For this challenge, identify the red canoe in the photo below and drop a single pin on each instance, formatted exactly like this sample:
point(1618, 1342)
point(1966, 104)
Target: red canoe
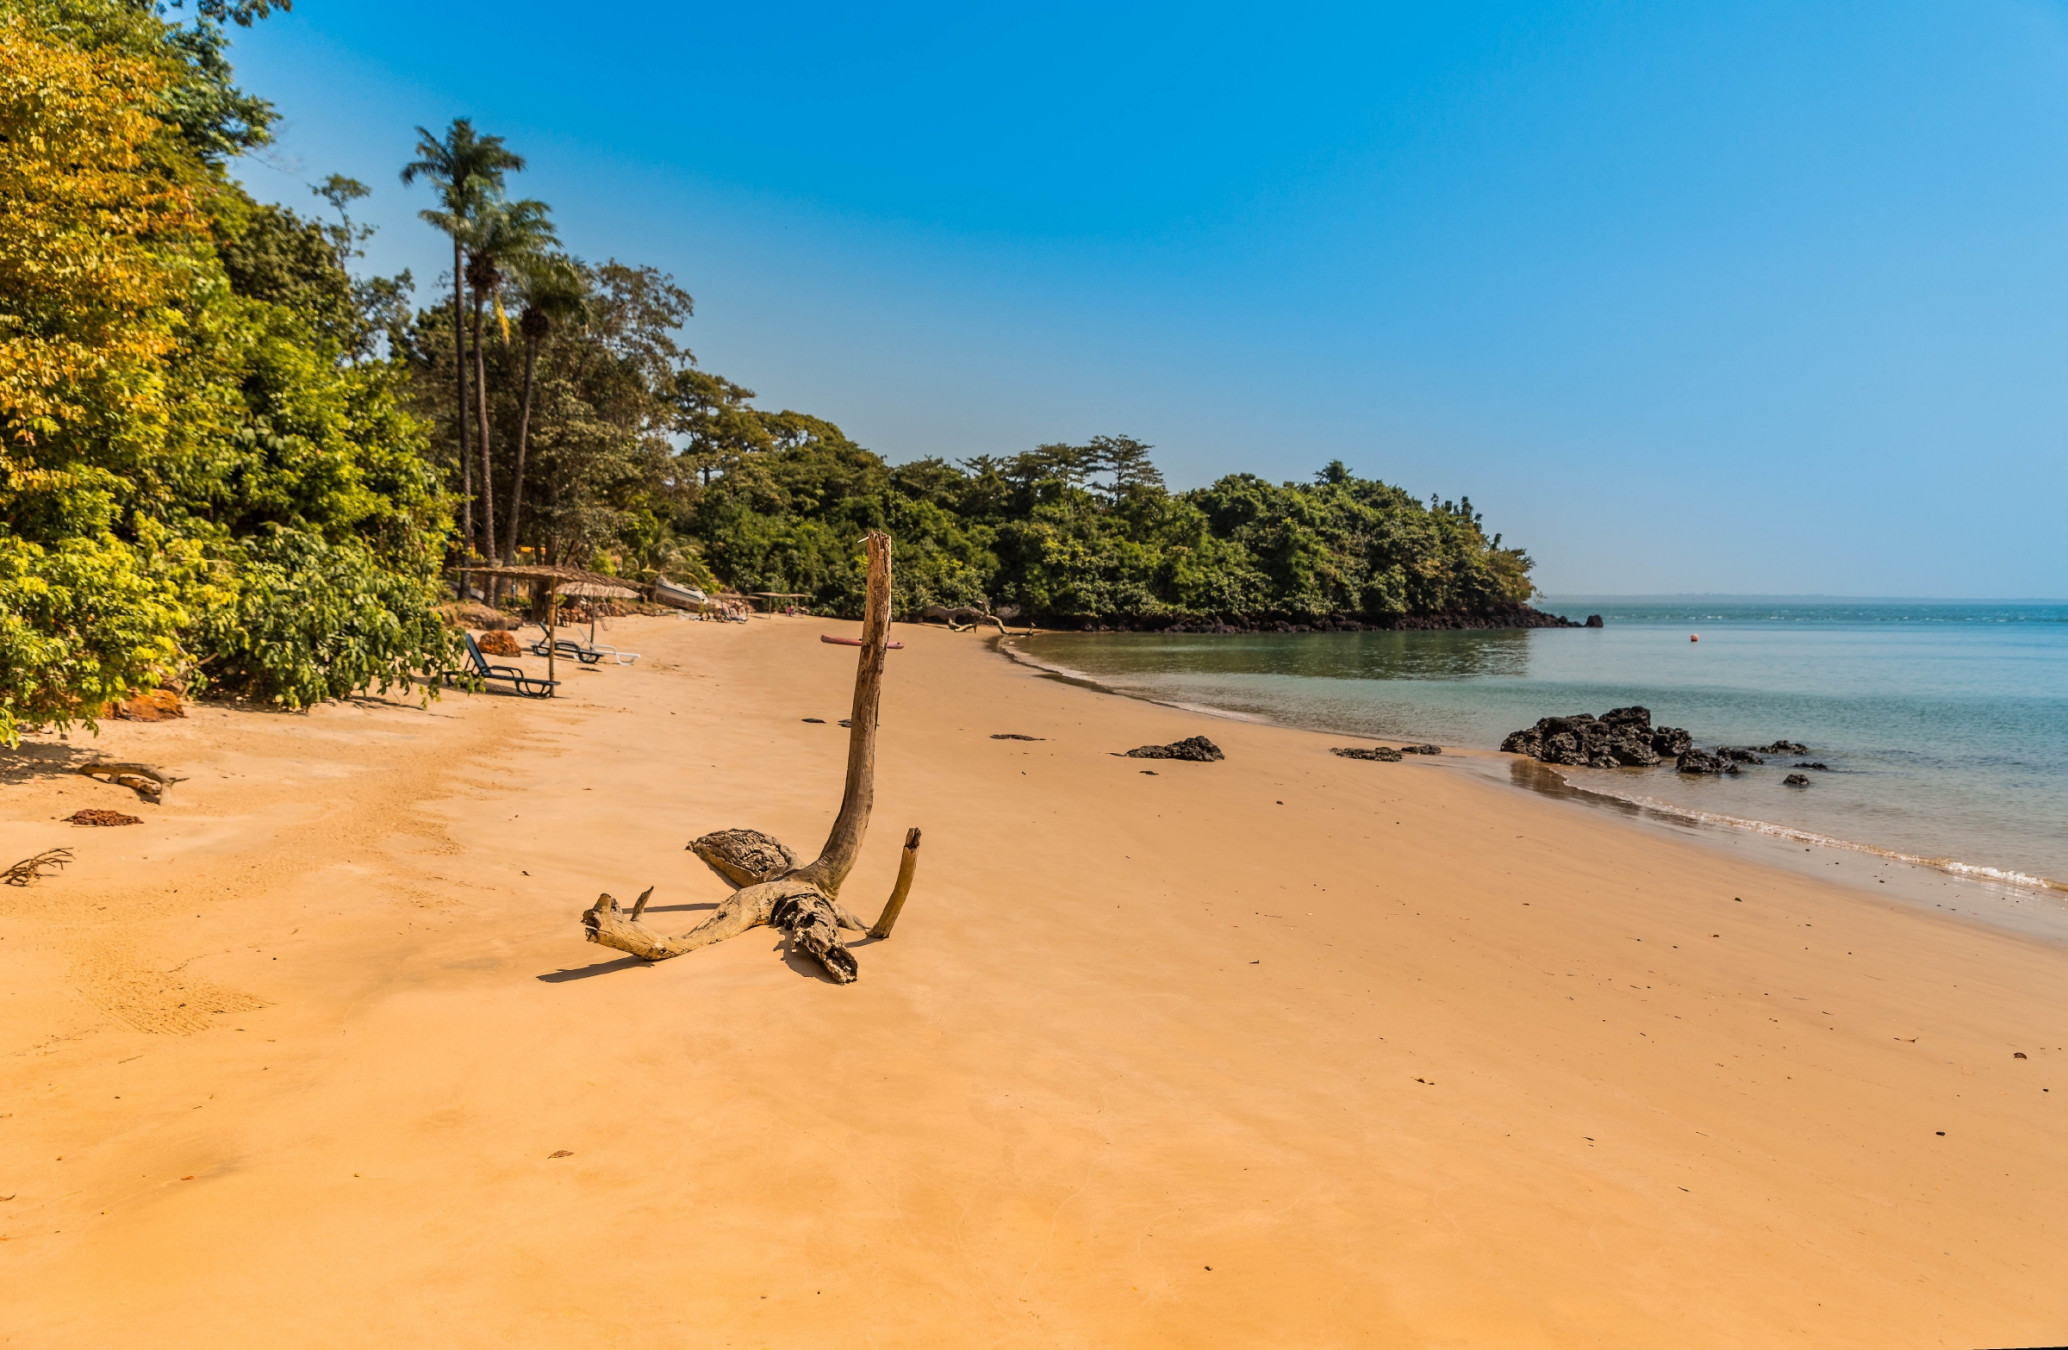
point(856, 642)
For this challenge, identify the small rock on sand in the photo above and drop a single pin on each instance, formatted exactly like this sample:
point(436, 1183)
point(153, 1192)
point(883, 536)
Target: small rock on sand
point(1197, 748)
point(1384, 753)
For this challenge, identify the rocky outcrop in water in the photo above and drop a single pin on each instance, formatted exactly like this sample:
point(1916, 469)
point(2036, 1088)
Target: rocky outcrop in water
point(1701, 761)
point(1622, 736)
point(1796, 780)
point(1626, 738)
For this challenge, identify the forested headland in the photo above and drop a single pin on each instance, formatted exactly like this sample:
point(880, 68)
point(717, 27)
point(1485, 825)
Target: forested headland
point(231, 460)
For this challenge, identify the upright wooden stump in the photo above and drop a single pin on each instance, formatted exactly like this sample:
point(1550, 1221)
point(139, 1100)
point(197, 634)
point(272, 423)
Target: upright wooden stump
point(801, 901)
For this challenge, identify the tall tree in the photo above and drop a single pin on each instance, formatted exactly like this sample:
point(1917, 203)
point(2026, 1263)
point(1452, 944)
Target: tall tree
point(554, 292)
point(501, 234)
point(719, 421)
point(467, 169)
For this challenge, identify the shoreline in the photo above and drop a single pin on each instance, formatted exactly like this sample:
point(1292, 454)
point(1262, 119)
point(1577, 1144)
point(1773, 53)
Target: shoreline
point(1282, 1050)
point(1521, 617)
point(2002, 892)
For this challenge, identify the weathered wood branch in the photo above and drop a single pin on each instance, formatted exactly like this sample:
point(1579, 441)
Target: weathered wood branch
point(844, 843)
point(908, 867)
point(800, 901)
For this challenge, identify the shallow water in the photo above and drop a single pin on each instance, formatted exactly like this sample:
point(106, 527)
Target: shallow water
point(1945, 725)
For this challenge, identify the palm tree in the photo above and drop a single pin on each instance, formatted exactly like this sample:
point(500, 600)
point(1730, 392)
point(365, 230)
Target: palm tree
point(501, 233)
point(554, 291)
point(467, 169)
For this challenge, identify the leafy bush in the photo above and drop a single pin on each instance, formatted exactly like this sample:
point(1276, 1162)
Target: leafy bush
point(316, 620)
point(80, 624)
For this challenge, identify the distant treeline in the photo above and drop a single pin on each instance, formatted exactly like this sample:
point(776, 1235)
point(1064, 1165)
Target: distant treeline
point(1089, 535)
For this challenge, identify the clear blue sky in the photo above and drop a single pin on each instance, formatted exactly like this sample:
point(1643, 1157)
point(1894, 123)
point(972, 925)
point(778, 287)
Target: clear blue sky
point(1725, 297)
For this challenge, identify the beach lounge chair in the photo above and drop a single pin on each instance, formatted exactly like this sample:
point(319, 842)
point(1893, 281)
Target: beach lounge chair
point(587, 655)
point(567, 648)
point(531, 686)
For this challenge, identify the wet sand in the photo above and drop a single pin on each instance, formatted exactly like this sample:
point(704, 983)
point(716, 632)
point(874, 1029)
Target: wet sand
point(1288, 1050)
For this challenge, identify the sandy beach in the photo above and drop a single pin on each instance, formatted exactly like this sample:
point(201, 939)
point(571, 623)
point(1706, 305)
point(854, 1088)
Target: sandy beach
point(1288, 1050)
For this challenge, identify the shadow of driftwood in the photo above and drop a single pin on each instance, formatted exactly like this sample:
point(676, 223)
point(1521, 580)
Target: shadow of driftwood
point(588, 972)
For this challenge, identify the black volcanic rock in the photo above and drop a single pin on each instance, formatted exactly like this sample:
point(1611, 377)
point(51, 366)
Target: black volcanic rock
point(1623, 737)
point(1671, 741)
point(1785, 748)
point(1738, 754)
point(1701, 761)
point(1192, 747)
point(1421, 749)
point(1796, 780)
point(1633, 747)
point(1383, 753)
point(1811, 764)
point(1593, 621)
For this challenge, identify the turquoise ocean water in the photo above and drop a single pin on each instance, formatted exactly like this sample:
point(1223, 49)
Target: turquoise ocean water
point(1945, 725)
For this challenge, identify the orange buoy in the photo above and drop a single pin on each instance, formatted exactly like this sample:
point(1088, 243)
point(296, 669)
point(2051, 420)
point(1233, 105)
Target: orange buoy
point(1694, 637)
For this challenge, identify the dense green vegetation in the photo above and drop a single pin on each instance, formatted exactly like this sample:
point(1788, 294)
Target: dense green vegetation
point(1088, 533)
point(204, 474)
point(227, 460)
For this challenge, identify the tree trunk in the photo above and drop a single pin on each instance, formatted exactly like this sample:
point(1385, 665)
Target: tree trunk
point(459, 361)
point(801, 901)
point(531, 356)
point(481, 430)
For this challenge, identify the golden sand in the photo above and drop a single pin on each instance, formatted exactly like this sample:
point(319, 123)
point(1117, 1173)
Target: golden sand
point(1289, 1050)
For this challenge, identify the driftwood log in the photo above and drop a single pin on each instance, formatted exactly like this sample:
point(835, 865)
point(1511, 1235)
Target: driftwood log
point(147, 782)
point(802, 901)
point(980, 621)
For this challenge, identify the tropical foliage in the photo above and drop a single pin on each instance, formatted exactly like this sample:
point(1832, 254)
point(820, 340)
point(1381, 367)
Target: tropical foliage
point(189, 408)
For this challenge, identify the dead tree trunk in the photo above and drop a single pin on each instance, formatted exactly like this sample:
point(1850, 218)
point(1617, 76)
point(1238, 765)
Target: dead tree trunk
point(801, 901)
